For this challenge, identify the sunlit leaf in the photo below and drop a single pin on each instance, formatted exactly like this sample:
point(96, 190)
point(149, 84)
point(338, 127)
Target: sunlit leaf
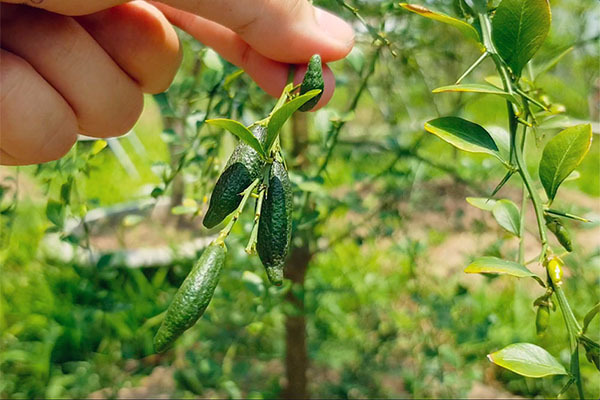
point(508, 216)
point(282, 114)
point(462, 26)
point(240, 131)
point(483, 203)
point(562, 155)
point(465, 135)
point(477, 88)
point(528, 360)
point(519, 28)
point(495, 265)
point(590, 316)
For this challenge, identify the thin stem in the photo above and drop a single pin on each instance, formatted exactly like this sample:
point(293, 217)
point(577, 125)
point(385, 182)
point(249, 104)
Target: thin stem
point(522, 225)
point(246, 195)
point(472, 67)
point(251, 247)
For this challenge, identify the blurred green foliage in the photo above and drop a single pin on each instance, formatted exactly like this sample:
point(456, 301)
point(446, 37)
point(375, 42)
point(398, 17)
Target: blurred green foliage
point(384, 318)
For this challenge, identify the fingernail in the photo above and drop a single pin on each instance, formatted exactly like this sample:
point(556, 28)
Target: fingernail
point(336, 28)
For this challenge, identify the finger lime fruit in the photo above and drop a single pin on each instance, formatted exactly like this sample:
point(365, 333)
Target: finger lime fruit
point(192, 297)
point(542, 319)
point(243, 167)
point(313, 79)
point(275, 225)
point(560, 232)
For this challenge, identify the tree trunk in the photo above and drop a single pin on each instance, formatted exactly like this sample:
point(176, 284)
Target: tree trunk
point(296, 357)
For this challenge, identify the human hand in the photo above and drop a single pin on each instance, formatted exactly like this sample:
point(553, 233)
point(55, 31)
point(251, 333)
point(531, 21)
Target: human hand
point(72, 67)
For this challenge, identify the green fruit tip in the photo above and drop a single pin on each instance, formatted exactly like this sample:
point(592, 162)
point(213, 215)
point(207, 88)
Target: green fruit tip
point(275, 276)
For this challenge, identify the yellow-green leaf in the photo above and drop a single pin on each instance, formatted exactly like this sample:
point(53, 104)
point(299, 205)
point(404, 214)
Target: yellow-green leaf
point(477, 88)
point(465, 135)
point(462, 26)
point(528, 360)
point(507, 215)
point(495, 265)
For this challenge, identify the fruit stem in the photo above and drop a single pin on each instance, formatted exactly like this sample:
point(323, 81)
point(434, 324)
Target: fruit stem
point(251, 247)
point(220, 240)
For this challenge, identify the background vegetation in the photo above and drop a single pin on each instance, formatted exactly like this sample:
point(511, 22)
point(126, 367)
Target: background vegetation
point(94, 246)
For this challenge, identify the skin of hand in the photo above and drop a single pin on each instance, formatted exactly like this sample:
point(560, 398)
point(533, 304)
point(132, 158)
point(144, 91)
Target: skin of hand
point(72, 66)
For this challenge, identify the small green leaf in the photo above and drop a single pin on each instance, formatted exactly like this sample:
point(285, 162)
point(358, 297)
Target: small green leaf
point(240, 131)
point(55, 212)
point(508, 216)
point(519, 28)
point(495, 265)
point(465, 135)
point(562, 155)
point(462, 26)
point(482, 203)
point(590, 316)
point(283, 113)
point(477, 88)
point(528, 360)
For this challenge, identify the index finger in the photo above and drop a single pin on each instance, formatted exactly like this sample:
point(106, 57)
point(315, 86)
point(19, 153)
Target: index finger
point(289, 31)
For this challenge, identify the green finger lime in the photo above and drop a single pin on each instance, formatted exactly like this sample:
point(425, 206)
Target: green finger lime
point(192, 297)
point(243, 167)
point(275, 225)
point(313, 79)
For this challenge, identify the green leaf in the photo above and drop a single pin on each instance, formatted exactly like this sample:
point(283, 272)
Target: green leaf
point(519, 28)
point(240, 131)
point(482, 203)
point(55, 212)
point(477, 88)
point(508, 216)
point(463, 134)
point(562, 155)
point(495, 265)
point(528, 360)
point(462, 26)
point(590, 316)
point(283, 113)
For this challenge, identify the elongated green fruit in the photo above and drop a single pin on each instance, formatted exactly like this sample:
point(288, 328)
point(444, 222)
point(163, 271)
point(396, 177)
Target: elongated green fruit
point(560, 232)
point(243, 167)
point(542, 319)
point(313, 79)
point(192, 298)
point(275, 225)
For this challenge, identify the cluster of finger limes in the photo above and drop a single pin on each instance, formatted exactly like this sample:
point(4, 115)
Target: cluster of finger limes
point(245, 171)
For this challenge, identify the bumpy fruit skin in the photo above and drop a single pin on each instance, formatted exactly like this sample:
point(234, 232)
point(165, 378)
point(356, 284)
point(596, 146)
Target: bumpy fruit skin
point(560, 232)
point(313, 79)
point(192, 297)
point(542, 319)
point(275, 225)
point(243, 167)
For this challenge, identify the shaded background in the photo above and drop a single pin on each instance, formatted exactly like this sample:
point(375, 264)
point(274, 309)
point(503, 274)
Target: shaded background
point(380, 240)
